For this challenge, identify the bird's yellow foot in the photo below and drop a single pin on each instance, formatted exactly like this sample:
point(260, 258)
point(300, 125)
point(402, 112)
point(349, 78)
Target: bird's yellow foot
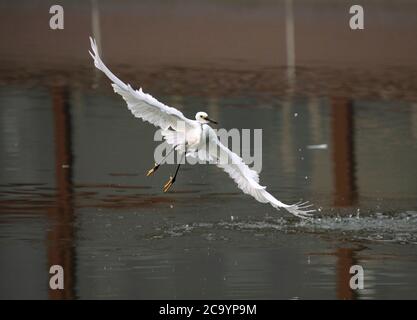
point(151, 172)
point(168, 185)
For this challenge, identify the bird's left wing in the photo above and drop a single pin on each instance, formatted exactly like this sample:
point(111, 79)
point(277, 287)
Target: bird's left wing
point(143, 105)
point(248, 179)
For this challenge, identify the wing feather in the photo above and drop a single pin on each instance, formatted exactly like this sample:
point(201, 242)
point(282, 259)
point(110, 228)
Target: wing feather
point(248, 180)
point(142, 105)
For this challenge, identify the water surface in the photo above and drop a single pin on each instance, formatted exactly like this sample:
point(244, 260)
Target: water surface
point(73, 189)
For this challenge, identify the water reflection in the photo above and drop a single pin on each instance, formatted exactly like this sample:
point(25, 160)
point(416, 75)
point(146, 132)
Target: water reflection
point(345, 260)
point(345, 193)
point(290, 42)
point(60, 242)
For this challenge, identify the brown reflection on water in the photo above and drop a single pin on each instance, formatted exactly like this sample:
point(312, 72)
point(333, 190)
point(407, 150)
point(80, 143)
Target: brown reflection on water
point(345, 191)
point(345, 260)
point(61, 236)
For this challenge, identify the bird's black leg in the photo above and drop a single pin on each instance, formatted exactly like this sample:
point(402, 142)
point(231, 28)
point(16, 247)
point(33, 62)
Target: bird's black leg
point(156, 166)
point(171, 180)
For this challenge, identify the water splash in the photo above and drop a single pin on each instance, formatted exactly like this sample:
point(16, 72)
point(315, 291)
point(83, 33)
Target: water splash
point(398, 228)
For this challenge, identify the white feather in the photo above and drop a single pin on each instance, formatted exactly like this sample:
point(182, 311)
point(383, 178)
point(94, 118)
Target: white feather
point(248, 180)
point(142, 105)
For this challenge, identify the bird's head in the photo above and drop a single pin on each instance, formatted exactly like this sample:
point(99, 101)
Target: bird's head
point(203, 117)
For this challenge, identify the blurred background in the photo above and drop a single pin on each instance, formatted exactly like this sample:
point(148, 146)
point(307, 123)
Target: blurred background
point(73, 159)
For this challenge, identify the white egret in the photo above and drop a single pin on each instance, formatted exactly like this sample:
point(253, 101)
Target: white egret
point(189, 137)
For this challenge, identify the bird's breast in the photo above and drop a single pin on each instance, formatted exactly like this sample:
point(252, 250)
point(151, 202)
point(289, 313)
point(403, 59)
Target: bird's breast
point(193, 137)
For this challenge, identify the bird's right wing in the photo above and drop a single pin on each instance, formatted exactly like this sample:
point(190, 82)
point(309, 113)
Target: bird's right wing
point(143, 105)
point(248, 179)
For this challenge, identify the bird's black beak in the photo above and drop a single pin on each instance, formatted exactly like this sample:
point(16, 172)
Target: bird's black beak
point(211, 120)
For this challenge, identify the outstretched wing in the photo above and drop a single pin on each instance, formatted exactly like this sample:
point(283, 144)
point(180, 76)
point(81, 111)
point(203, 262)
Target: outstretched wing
point(142, 105)
point(248, 179)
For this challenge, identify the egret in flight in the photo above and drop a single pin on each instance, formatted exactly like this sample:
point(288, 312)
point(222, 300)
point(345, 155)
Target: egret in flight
point(189, 138)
